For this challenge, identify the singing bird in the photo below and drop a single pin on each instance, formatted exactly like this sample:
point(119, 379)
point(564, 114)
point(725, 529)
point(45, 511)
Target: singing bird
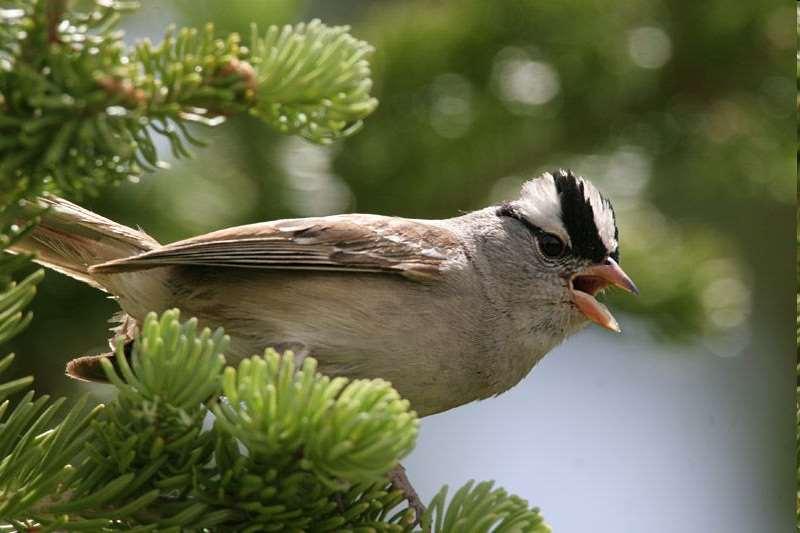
point(449, 311)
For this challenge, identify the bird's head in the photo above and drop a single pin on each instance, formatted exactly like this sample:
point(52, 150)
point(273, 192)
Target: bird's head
point(569, 235)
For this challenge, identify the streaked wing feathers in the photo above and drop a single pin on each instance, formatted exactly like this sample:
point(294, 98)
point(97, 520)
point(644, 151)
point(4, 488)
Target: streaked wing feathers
point(363, 243)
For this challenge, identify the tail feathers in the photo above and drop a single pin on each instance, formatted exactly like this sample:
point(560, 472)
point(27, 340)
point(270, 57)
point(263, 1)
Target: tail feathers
point(70, 239)
point(90, 367)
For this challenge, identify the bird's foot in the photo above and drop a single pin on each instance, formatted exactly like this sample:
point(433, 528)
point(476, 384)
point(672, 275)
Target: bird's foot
point(400, 482)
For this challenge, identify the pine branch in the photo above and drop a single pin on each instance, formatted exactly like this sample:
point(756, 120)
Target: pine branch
point(289, 449)
point(355, 431)
point(79, 109)
point(479, 508)
point(312, 80)
point(35, 458)
point(15, 297)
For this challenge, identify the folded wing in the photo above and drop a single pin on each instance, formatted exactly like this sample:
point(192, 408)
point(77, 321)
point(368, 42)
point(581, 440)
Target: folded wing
point(350, 243)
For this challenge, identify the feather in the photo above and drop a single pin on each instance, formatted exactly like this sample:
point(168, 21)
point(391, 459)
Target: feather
point(345, 243)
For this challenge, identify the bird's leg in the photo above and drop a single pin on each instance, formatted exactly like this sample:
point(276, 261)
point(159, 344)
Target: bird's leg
point(400, 482)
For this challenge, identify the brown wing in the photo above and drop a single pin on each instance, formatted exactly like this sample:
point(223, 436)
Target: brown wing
point(361, 243)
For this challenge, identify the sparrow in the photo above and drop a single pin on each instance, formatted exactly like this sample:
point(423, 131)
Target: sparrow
point(449, 311)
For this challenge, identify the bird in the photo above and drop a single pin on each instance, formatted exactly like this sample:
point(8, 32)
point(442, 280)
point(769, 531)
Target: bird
point(449, 311)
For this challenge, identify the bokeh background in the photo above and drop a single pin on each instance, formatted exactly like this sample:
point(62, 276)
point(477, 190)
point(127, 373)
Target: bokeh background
point(680, 111)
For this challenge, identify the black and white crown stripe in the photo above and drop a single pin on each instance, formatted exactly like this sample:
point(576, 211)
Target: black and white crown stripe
point(570, 207)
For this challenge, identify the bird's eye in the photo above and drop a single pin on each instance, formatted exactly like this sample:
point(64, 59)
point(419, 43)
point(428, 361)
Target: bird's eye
point(551, 246)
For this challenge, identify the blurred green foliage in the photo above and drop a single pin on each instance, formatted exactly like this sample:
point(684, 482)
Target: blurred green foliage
point(797, 309)
point(677, 110)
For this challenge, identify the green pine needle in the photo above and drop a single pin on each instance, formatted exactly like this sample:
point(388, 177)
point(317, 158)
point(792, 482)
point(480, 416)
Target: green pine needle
point(79, 108)
point(312, 80)
point(482, 509)
point(352, 432)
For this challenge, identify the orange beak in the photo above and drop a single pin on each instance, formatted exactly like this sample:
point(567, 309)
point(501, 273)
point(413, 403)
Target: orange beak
point(587, 283)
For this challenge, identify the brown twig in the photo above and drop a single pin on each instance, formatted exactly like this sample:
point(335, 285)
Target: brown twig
point(122, 89)
point(55, 12)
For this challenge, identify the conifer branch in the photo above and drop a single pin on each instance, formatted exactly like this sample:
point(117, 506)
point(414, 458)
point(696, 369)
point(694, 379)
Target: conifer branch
point(289, 449)
point(80, 109)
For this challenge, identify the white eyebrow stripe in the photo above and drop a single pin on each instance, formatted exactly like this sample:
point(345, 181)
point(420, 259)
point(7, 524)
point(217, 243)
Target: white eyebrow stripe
point(541, 205)
point(603, 216)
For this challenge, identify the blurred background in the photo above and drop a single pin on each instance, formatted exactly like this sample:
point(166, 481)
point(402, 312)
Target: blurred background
point(681, 112)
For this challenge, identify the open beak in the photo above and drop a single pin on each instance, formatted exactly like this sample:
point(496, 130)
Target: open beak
point(587, 283)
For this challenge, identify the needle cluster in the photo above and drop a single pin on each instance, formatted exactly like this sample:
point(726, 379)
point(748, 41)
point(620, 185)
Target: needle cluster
point(189, 443)
point(77, 102)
